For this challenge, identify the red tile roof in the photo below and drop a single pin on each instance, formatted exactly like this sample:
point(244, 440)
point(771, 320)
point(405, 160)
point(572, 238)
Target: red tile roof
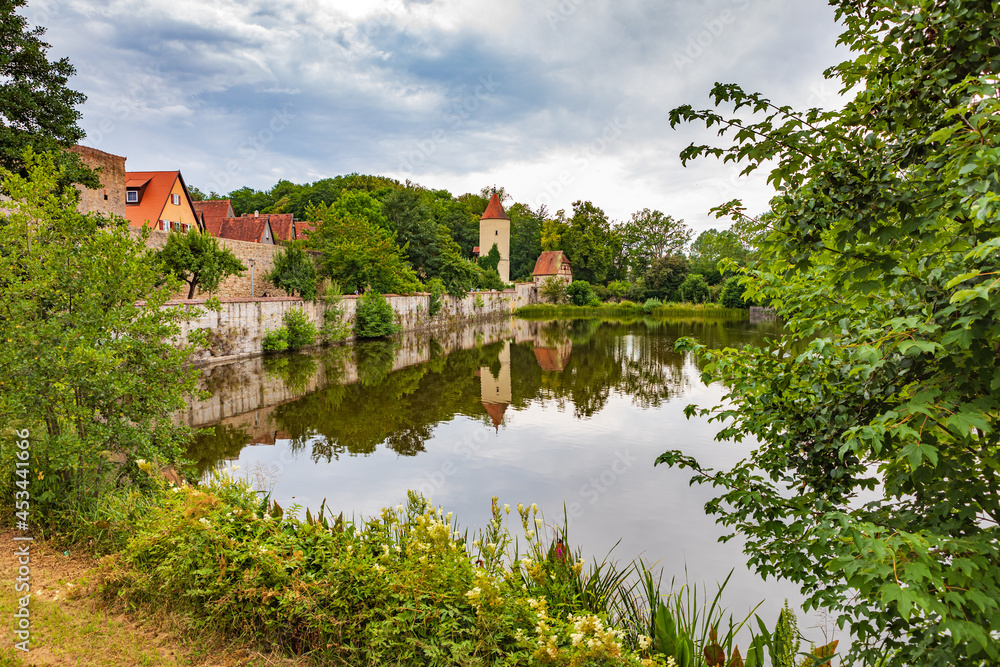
point(549, 263)
point(494, 211)
point(495, 411)
point(214, 212)
point(153, 198)
point(302, 228)
point(244, 229)
point(281, 226)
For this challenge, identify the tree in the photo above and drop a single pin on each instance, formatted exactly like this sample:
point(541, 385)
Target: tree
point(694, 289)
point(874, 484)
point(199, 260)
point(664, 277)
point(579, 293)
point(553, 289)
point(37, 109)
point(586, 243)
point(525, 239)
point(651, 235)
point(491, 260)
point(374, 317)
point(359, 255)
point(713, 246)
point(294, 271)
point(95, 365)
point(198, 195)
point(732, 294)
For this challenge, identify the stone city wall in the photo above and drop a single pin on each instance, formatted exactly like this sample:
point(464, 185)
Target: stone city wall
point(237, 330)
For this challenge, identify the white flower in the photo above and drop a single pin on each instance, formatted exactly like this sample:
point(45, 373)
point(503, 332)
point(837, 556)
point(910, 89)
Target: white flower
point(538, 523)
point(506, 508)
point(644, 642)
point(204, 521)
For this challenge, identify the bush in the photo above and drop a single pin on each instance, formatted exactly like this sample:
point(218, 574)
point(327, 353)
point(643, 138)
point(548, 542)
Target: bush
point(553, 289)
point(732, 294)
point(618, 290)
point(301, 331)
point(276, 341)
point(335, 328)
point(651, 305)
point(579, 292)
point(491, 280)
point(694, 289)
point(294, 271)
point(435, 302)
point(374, 317)
point(595, 301)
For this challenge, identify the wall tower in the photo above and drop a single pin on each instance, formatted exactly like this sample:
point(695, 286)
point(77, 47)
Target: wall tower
point(494, 227)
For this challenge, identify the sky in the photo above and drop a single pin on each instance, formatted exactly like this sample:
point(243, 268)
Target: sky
point(555, 100)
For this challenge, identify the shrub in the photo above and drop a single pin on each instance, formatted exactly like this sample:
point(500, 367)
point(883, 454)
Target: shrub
point(618, 290)
point(374, 317)
point(491, 280)
point(276, 340)
point(553, 289)
point(651, 305)
point(595, 301)
point(301, 331)
point(694, 289)
point(335, 327)
point(732, 294)
point(435, 302)
point(294, 271)
point(579, 292)
point(479, 303)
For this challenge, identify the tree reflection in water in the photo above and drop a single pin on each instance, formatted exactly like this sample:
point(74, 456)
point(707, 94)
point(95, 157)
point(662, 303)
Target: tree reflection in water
point(578, 364)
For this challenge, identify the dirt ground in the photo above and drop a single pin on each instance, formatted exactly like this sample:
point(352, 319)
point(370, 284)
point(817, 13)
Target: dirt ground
point(69, 625)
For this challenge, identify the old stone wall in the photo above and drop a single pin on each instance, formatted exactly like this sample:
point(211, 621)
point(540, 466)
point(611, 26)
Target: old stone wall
point(238, 287)
point(237, 330)
point(109, 199)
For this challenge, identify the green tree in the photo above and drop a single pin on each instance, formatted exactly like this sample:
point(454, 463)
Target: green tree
point(294, 271)
point(732, 294)
point(586, 243)
point(713, 246)
point(553, 289)
point(491, 260)
point(94, 365)
point(650, 235)
point(198, 260)
point(374, 317)
point(358, 255)
point(579, 293)
point(694, 289)
point(37, 109)
point(525, 240)
point(664, 277)
point(874, 484)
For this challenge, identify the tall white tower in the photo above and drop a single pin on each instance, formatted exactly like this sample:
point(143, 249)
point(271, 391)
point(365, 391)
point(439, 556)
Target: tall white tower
point(494, 227)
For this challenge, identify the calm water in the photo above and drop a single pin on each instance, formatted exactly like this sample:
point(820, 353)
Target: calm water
point(564, 414)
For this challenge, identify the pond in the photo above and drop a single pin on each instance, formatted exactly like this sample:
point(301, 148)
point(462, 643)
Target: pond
point(566, 414)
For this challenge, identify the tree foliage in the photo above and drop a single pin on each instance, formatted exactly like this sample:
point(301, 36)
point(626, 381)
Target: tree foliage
point(374, 317)
point(712, 247)
point(587, 243)
point(664, 277)
point(197, 259)
point(650, 235)
point(90, 363)
point(37, 109)
point(875, 482)
point(553, 289)
point(358, 254)
point(294, 271)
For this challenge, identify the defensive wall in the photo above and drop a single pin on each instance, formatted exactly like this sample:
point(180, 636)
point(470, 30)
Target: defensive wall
point(237, 330)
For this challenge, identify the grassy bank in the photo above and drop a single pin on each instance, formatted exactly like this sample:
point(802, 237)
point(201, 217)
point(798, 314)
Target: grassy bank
point(627, 309)
point(405, 587)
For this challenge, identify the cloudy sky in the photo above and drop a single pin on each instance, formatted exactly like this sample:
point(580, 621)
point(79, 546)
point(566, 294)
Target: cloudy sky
point(557, 100)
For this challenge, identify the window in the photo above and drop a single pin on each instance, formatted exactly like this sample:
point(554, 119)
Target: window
point(132, 197)
point(175, 199)
point(164, 225)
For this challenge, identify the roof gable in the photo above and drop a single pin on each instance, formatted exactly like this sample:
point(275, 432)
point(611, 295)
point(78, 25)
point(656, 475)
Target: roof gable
point(213, 212)
point(549, 263)
point(249, 229)
point(154, 192)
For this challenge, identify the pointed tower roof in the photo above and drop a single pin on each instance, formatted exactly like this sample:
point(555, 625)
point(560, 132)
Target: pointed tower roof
point(495, 411)
point(494, 210)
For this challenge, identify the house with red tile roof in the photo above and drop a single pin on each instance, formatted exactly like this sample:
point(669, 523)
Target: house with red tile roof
point(160, 200)
point(303, 228)
point(253, 229)
point(552, 263)
point(213, 212)
point(282, 225)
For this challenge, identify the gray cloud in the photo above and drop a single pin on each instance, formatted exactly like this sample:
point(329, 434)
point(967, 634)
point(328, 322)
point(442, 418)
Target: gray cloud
point(435, 90)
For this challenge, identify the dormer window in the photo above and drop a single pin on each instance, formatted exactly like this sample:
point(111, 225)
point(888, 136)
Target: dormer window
point(132, 197)
point(175, 199)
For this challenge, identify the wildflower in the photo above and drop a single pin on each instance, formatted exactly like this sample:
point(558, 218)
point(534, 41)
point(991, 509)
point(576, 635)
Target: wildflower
point(204, 521)
point(530, 534)
point(506, 508)
point(644, 642)
point(538, 523)
point(520, 508)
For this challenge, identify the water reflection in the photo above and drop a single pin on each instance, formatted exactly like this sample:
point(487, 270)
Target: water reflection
point(352, 400)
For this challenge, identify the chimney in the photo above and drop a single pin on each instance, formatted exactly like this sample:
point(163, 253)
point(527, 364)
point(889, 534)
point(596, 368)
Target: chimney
point(256, 214)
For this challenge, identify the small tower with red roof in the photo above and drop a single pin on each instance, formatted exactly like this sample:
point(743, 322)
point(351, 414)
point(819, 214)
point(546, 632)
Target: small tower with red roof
point(494, 228)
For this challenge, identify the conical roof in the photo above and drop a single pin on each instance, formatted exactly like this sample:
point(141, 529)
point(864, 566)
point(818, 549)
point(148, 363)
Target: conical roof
point(494, 210)
point(495, 411)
